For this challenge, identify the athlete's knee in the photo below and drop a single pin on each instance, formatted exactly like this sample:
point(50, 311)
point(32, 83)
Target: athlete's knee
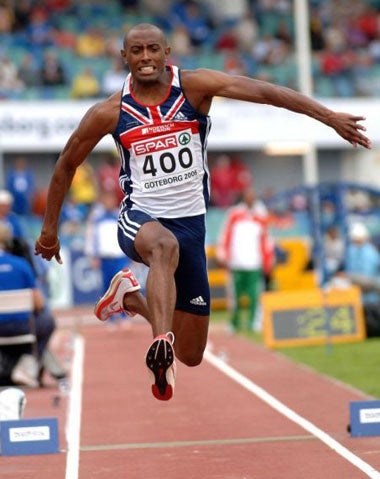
point(189, 358)
point(166, 248)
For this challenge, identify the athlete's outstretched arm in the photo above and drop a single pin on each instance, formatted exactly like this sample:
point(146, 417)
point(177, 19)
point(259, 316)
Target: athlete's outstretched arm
point(201, 85)
point(97, 122)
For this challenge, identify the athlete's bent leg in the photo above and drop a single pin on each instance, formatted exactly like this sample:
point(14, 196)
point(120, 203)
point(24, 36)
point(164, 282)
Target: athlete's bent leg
point(190, 331)
point(136, 302)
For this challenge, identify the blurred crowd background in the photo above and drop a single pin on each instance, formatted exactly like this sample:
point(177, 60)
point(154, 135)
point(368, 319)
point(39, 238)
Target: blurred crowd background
point(71, 49)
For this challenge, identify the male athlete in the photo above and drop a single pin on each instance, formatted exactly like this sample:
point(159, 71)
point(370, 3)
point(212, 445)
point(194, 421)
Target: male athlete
point(160, 124)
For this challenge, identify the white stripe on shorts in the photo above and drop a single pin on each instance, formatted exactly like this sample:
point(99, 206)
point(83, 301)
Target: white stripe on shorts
point(129, 228)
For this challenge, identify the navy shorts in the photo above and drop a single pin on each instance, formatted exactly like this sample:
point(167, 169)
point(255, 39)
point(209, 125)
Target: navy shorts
point(193, 290)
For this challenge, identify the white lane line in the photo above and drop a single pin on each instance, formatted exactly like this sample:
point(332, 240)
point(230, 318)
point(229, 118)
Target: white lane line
point(73, 421)
point(290, 414)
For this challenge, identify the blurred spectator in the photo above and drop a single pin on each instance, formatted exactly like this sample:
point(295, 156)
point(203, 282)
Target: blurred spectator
point(334, 250)
point(276, 6)
point(72, 217)
point(113, 44)
point(234, 64)
point(328, 214)
point(317, 38)
point(85, 85)
point(337, 64)
point(229, 177)
point(222, 194)
point(39, 201)
point(241, 176)
point(374, 48)
point(261, 32)
point(64, 38)
point(247, 251)
point(20, 182)
point(10, 84)
point(246, 32)
point(355, 37)
point(160, 12)
point(7, 216)
point(114, 78)
point(108, 176)
point(17, 273)
point(84, 187)
point(129, 5)
point(194, 17)
point(181, 42)
point(227, 40)
point(364, 83)
point(283, 33)
point(58, 5)
point(39, 30)
point(101, 243)
point(52, 72)
point(29, 72)
point(91, 43)
point(264, 48)
point(227, 12)
point(368, 22)
point(6, 17)
point(334, 35)
point(357, 201)
point(362, 263)
point(362, 268)
point(22, 11)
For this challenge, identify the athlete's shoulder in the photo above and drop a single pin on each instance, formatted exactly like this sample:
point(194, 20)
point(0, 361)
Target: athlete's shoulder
point(104, 114)
point(108, 106)
point(201, 85)
point(201, 77)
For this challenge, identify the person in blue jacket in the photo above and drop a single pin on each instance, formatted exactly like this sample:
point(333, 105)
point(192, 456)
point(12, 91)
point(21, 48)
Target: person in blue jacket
point(17, 273)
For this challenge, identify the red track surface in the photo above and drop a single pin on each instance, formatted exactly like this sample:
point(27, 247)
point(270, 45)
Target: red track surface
point(213, 428)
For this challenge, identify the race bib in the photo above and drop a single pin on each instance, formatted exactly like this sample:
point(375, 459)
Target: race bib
point(164, 161)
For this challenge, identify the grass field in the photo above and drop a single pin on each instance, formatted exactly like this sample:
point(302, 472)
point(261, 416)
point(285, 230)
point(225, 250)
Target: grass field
point(356, 364)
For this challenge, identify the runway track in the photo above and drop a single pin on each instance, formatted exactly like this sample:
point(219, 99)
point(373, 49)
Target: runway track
point(244, 413)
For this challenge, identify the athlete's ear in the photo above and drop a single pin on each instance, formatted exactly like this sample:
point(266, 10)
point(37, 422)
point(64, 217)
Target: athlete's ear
point(167, 52)
point(123, 54)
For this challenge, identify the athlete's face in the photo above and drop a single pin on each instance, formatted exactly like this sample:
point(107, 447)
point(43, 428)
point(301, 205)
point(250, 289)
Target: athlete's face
point(145, 52)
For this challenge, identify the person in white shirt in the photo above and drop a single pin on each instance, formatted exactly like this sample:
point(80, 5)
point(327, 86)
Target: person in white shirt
point(246, 250)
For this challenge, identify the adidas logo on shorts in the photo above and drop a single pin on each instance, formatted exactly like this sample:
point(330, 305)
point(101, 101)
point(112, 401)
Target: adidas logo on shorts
point(199, 301)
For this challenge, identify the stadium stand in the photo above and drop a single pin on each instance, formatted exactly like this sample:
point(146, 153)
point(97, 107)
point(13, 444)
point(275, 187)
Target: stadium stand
point(345, 40)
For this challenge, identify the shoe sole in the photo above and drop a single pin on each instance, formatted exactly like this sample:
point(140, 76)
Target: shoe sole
point(159, 359)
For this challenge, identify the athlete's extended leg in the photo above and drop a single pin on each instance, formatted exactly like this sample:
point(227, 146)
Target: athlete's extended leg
point(159, 249)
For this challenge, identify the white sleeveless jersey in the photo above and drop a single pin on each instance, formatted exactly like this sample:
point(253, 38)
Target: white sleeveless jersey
point(162, 147)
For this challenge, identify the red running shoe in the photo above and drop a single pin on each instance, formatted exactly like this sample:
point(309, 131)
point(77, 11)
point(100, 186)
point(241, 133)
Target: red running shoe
point(112, 301)
point(160, 361)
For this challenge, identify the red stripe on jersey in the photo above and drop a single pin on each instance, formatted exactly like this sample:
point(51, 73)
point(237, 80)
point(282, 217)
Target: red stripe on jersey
point(143, 133)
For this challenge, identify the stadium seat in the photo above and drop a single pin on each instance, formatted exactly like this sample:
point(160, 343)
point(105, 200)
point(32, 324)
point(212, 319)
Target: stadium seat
point(324, 87)
point(18, 301)
point(210, 60)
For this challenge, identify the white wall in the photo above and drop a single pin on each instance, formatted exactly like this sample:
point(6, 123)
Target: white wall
point(45, 126)
point(36, 127)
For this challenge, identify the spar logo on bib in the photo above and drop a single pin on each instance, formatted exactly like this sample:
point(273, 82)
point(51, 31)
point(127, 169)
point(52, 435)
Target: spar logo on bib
point(184, 138)
point(158, 144)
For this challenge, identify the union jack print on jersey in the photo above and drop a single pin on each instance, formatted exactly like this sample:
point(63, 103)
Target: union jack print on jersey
point(163, 153)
